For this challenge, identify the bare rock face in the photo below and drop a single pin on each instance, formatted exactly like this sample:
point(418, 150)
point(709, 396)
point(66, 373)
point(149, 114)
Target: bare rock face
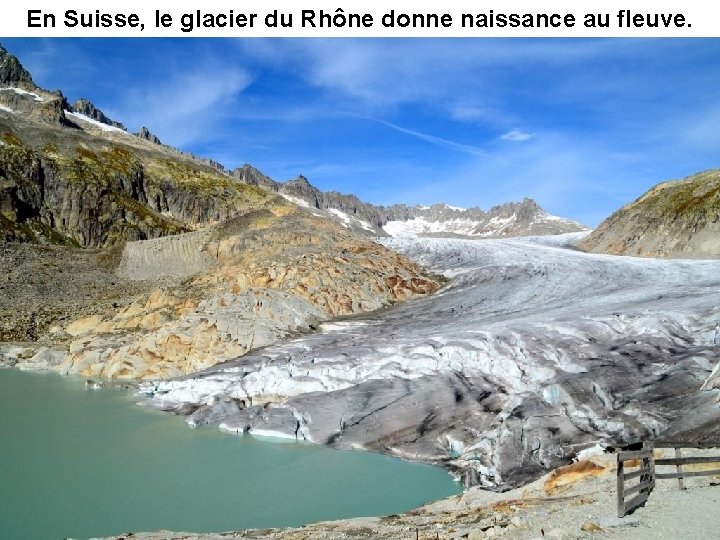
point(19, 94)
point(80, 179)
point(678, 219)
point(47, 107)
point(86, 108)
point(12, 73)
point(250, 282)
point(231, 266)
point(93, 192)
point(145, 133)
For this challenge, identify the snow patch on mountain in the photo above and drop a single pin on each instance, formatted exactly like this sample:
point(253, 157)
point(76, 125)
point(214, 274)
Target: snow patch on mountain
point(420, 226)
point(95, 123)
point(23, 92)
point(527, 219)
point(348, 221)
point(295, 200)
point(496, 225)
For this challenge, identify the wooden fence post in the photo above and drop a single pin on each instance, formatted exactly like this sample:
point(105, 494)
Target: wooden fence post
point(645, 474)
point(620, 487)
point(681, 478)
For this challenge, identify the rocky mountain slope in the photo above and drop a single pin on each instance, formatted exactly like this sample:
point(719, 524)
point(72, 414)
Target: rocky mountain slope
point(511, 219)
point(678, 219)
point(123, 257)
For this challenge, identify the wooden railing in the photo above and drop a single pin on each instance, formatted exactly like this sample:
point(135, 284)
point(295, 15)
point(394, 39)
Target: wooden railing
point(640, 464)
point(643, 469)
point(679, 461)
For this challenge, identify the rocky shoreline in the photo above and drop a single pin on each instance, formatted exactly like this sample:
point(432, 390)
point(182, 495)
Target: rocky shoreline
point(573, 502)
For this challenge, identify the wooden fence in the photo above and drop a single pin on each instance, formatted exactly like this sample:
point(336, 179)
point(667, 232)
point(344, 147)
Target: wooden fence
point(679, 461)
point(642, 469)
point(639, 465)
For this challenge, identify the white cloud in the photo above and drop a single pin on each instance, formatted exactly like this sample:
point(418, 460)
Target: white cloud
point(386, 73)
point(185, 108)
point(516, 135)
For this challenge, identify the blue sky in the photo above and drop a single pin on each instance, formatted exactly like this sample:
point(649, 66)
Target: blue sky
point(583, 126)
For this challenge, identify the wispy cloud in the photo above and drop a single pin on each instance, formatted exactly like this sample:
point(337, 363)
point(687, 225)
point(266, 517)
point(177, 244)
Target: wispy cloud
point(517, 135)
point(700, 128)
point(439, 141)
point(381, 73)
point(185, 108)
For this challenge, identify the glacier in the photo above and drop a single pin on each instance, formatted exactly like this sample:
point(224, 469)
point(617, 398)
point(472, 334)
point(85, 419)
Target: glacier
point(533, 354)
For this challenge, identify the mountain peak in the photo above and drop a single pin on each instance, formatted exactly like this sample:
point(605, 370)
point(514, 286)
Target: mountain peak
point(301, 181)
point(12, 72)
point(86, 108)
point(146, 134)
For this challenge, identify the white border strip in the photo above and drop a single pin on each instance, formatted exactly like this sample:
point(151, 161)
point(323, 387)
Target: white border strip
point(252, 18)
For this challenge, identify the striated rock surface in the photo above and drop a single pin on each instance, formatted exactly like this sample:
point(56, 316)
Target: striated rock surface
point(95, 190)
point(678, 219)
point(70, 175)
point(533, 353)
point(12, 73)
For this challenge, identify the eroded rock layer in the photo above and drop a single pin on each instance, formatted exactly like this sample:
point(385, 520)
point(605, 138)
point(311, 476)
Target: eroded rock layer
point(247, 283)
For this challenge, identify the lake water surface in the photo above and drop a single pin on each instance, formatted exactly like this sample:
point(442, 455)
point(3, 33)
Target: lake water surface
point(76, 462)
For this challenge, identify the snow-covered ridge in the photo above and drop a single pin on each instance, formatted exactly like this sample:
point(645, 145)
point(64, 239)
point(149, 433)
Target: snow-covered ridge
point(488, 225)
point(346, 220)
point(6, 109)
point(419, 226)
point(295, 200)
point(95, 123)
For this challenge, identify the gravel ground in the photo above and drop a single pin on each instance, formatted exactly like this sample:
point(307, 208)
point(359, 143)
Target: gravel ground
point(42, 286)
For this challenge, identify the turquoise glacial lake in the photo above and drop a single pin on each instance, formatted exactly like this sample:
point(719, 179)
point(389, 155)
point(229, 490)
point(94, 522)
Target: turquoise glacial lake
point(76, 462)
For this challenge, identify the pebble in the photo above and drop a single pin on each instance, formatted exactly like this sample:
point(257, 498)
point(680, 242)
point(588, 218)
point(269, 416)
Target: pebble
point(590, 526)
